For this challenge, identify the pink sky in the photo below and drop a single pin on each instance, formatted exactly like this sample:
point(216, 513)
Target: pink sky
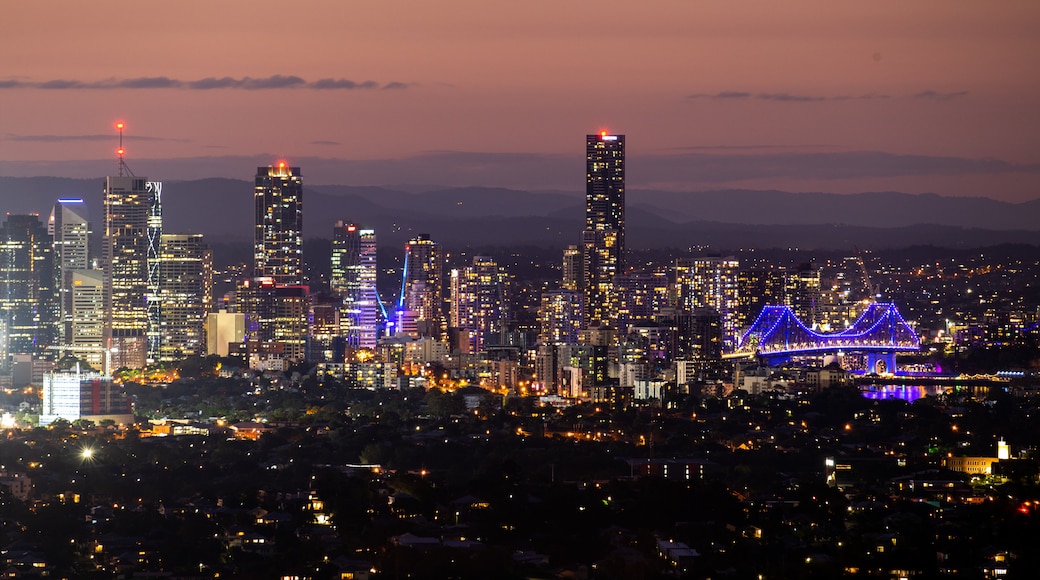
point(958, 80)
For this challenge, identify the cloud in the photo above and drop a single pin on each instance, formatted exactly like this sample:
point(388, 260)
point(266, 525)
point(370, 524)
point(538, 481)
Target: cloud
point(800, 98)
point(325, 143)
point(149, 83)
point(938, 96)
point(203, 84)
point(342, 84)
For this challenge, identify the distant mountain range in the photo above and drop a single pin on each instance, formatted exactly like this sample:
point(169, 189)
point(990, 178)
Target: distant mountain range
point(460, 217)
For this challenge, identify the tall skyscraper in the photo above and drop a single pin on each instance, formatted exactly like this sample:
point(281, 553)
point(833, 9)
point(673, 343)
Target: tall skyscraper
point(603, 240)
point(479, 300)
point(424, 285)
point(186, 294)
point(278, 228)
point(129, 256)
point(354, 280)
point(26, 286)
point(70, 229)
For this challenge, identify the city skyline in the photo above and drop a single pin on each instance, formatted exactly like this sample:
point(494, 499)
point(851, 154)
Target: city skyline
point(800, 96)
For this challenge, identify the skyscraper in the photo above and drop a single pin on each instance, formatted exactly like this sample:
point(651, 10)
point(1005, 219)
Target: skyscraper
point(278, 228)
point(479, 300)
point(424, 285)
point(129, 256)
point(354, 280)
point(186, 294)
point(70, 230)
point(26, 278)
point(603, 240)
point(711, 283)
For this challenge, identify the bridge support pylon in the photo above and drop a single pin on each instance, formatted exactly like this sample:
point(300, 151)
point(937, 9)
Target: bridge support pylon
point(881, 363)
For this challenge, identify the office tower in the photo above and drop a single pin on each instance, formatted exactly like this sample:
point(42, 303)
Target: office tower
point(70, 230)
point(86, 328)
point(424, 285)
point(186, 295)
point(802, 292)
point(711, 283)
point(129, 257)
point(695, 336)
point(278, 227)
point(83, 394)
point(354, 280)
point(757, 288)
point(479, 300)
point(26, 286)
point(573, 276)
point(603, 240)
point(560, 317)
point(278, 317)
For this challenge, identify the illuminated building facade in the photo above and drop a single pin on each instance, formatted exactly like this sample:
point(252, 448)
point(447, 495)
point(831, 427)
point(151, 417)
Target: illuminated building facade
point(757, 288)
point(83, 394)
point(603, 240)
point(711, 283)
point(186, 295)
point(560, 317)
point(802, 288)
point(129, 248)
point(573, 277)
point(480, 300)
point(354, 280)
point(86, 327)
point(26, 286)
point(279, 317)
point(69, 228)
point(423, 292)
point(640, 296)
point(278, 227)
point(224, 328)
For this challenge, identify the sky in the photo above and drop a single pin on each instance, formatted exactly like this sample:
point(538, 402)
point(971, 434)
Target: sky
point(801, 95)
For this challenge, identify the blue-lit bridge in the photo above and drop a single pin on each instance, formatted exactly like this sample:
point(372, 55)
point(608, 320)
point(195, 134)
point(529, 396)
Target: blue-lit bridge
point(880, 332)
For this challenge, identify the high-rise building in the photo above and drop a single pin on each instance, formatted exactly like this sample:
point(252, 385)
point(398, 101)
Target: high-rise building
point(560, 317)
point(69, 228)
point(802, 292)
point(479, 300)
point(603, 240)
point(354, 280)
point(757, 288)
point(573, 277)
point(26, 291)
point(129, 257)
point(86, 328)
point(424, 285)
point(186, 295)
point(711, 283)
point(278, 317)
point(640, 296)
point(278, 227)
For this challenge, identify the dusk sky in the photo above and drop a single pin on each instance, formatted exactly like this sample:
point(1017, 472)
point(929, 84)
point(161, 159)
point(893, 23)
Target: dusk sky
point(922, 96)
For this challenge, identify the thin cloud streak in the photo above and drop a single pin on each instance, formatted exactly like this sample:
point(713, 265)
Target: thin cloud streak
point(802, 98)
point(939, 96)
point(204, 84)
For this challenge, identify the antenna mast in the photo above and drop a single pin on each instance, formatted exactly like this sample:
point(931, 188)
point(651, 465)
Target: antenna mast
point(122, 152)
